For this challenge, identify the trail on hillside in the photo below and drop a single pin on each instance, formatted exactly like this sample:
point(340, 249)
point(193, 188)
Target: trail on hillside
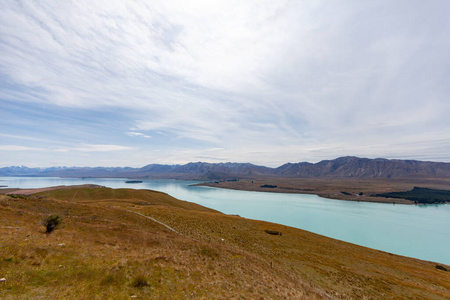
point(154, 220)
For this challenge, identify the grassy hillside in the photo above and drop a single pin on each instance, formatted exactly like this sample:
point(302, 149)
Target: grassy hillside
point(117, 244)
point(121, 197)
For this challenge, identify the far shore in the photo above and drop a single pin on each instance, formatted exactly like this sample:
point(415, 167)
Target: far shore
point(351, 189)
point(348, 189)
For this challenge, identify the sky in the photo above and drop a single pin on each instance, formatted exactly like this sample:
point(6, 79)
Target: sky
point(129, 83)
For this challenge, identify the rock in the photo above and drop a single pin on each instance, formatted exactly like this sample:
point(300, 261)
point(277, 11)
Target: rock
point(2, 279)
point(61, 245)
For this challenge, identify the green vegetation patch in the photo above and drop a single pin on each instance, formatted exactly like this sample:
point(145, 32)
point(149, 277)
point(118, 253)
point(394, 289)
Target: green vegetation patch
point(420, 195)
point(140, 281)
point(18, 196)
point(273, 232)
point(439, 267)
point(51, 222)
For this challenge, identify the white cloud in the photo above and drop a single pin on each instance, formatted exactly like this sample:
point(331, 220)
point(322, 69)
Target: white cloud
point(138, 134)
point(94, 148)
point(81, 148)
point(19, 148)
point(29, 138)
point(282, 80)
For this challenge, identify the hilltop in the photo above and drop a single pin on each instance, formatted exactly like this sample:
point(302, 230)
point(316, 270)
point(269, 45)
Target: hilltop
point(343, 167)
point(122, 243)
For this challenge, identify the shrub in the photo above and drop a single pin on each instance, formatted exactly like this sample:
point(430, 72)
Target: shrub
point(51, 222)
point(139, 281)
point(17, 196)
point(268, 186)
point(273, 232)
point(439, 267)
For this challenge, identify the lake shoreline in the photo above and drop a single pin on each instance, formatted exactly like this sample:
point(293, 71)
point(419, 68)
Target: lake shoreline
point(357, 190)
point(392, 228)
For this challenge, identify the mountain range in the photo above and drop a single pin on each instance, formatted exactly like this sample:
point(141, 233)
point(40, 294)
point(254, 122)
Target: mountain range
point(343, 167)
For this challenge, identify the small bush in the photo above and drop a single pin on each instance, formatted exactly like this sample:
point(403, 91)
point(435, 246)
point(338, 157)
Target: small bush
point(268, 186)
point(51, 222)
point(139, 282)
point(439, 267)
point(17, 196)
point(273, 232)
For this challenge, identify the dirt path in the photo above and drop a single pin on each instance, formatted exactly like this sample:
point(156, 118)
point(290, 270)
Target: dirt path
point(154, 220)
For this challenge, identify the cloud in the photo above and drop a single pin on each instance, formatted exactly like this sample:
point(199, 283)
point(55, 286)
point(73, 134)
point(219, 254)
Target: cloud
point(81, 148)
point(289, 80)
point(94, 148)
point(138, 134)
point(12, 136)
point(19, 148)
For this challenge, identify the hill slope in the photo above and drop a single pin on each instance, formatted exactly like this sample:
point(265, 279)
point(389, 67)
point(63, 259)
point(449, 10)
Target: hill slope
point(355, 167)
point(117, 244)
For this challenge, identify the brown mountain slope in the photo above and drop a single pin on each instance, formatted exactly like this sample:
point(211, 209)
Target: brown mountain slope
point(116, 244)
point(343, 167)
point(355, 167)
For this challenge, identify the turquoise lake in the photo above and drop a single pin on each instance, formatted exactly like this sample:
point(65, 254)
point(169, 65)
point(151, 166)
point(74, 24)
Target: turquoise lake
point(420, 231)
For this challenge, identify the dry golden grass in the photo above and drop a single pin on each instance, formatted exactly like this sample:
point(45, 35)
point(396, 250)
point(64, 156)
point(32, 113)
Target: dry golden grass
point(106, 248)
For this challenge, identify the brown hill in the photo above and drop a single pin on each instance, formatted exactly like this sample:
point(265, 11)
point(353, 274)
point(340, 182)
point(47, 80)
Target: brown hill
point(354, 167)
point(343, 167)
point(136, 243)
